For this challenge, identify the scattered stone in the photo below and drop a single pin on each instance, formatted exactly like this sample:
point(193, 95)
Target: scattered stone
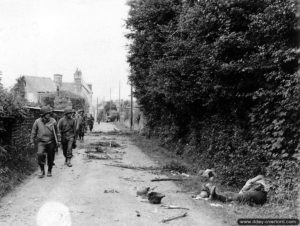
point(131, 179)
point(104, 157)
point(143, 191)
point(111, 191)
point(216, 205)
point(138, 213)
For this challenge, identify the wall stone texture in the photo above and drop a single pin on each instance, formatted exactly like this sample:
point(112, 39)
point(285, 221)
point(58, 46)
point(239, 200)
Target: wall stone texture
point(18, 130)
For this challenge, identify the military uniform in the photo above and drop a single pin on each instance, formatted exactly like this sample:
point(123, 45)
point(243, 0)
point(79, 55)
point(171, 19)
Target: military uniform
point(90, 122)
point(67, 135)
point(44, 132)
point(80, 125)
point(255, 191)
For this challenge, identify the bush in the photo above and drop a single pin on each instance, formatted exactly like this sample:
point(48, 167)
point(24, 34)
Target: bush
point(218, 78)
point(176, 166)
point(65, 99)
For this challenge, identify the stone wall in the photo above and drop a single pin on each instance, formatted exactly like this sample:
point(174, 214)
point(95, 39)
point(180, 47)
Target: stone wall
point(21, 129)
point(18, 130)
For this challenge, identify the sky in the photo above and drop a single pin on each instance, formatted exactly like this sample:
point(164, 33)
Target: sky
point(46, 37)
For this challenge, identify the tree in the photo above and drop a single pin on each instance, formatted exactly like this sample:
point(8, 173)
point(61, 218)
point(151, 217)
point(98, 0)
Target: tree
point(64, 99)
point(220, 74)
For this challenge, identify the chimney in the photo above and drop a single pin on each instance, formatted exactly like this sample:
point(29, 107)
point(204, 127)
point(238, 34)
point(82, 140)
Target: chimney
point(57, 78)
point(90, 86)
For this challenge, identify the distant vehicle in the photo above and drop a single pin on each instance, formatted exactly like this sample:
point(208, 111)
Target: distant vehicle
point(113, 116)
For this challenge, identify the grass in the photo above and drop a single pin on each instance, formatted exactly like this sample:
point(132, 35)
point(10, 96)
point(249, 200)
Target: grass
point(14, 172)
point(230, 212)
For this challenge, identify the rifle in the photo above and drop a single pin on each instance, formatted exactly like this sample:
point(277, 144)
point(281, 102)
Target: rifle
point(55, 136)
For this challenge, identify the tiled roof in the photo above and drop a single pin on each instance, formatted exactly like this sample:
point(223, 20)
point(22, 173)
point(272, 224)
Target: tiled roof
point(39, 84)
point(68, 86)
point(44, 84)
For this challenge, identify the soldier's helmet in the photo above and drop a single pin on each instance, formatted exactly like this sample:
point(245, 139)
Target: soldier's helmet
point(80, 110)
point(45, 110)
point(155, 197)
point(68, 111)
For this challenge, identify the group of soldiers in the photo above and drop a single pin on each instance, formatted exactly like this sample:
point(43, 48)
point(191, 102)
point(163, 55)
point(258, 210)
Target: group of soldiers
point(48, 135)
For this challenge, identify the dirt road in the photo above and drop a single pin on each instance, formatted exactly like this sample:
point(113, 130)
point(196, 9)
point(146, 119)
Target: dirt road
point(92, 193)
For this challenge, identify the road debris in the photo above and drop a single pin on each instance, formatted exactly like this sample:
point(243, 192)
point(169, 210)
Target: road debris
point(216, 205)
point(100, 150)
point(118, 152)
point(138, 213)
point(173, 207)
point(197, 197)
point(131, 179)
point(106, 144)
point(167, 179)
point(103, 157)
point(155, 197)
point(174, 218)
point(134, 167)
point(95, 150)
point(144, 201)
point(143, 191)
point(152, 189)
point(111, 191)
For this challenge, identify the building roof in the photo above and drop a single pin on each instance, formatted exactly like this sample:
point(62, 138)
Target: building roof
point(39, 84)
point(44, 84)
point(85, 86)
point(68, 86)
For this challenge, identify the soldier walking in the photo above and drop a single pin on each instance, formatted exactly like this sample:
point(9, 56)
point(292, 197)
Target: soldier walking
point(67, 135)
point(80, 124)
point(44, 132)
point(90, 122)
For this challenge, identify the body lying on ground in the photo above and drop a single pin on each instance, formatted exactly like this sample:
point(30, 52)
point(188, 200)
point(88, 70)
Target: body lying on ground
point(254, 192)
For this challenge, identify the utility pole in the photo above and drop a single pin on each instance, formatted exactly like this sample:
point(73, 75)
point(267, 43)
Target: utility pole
point(131, 108)
point(119, 97)
point(109, 100)
point(97, 109)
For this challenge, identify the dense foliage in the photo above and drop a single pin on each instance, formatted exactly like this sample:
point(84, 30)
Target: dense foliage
point(15, 162)
point(65, 99)
point(219, 77)
point(11, 102)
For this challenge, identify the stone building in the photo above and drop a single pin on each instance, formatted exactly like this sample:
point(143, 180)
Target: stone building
point(36, 87)
point(78, 86)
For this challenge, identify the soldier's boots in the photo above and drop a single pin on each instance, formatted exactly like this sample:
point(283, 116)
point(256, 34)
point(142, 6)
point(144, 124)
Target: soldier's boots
point(69, 162)
point(42, 173)
point(49, 173)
